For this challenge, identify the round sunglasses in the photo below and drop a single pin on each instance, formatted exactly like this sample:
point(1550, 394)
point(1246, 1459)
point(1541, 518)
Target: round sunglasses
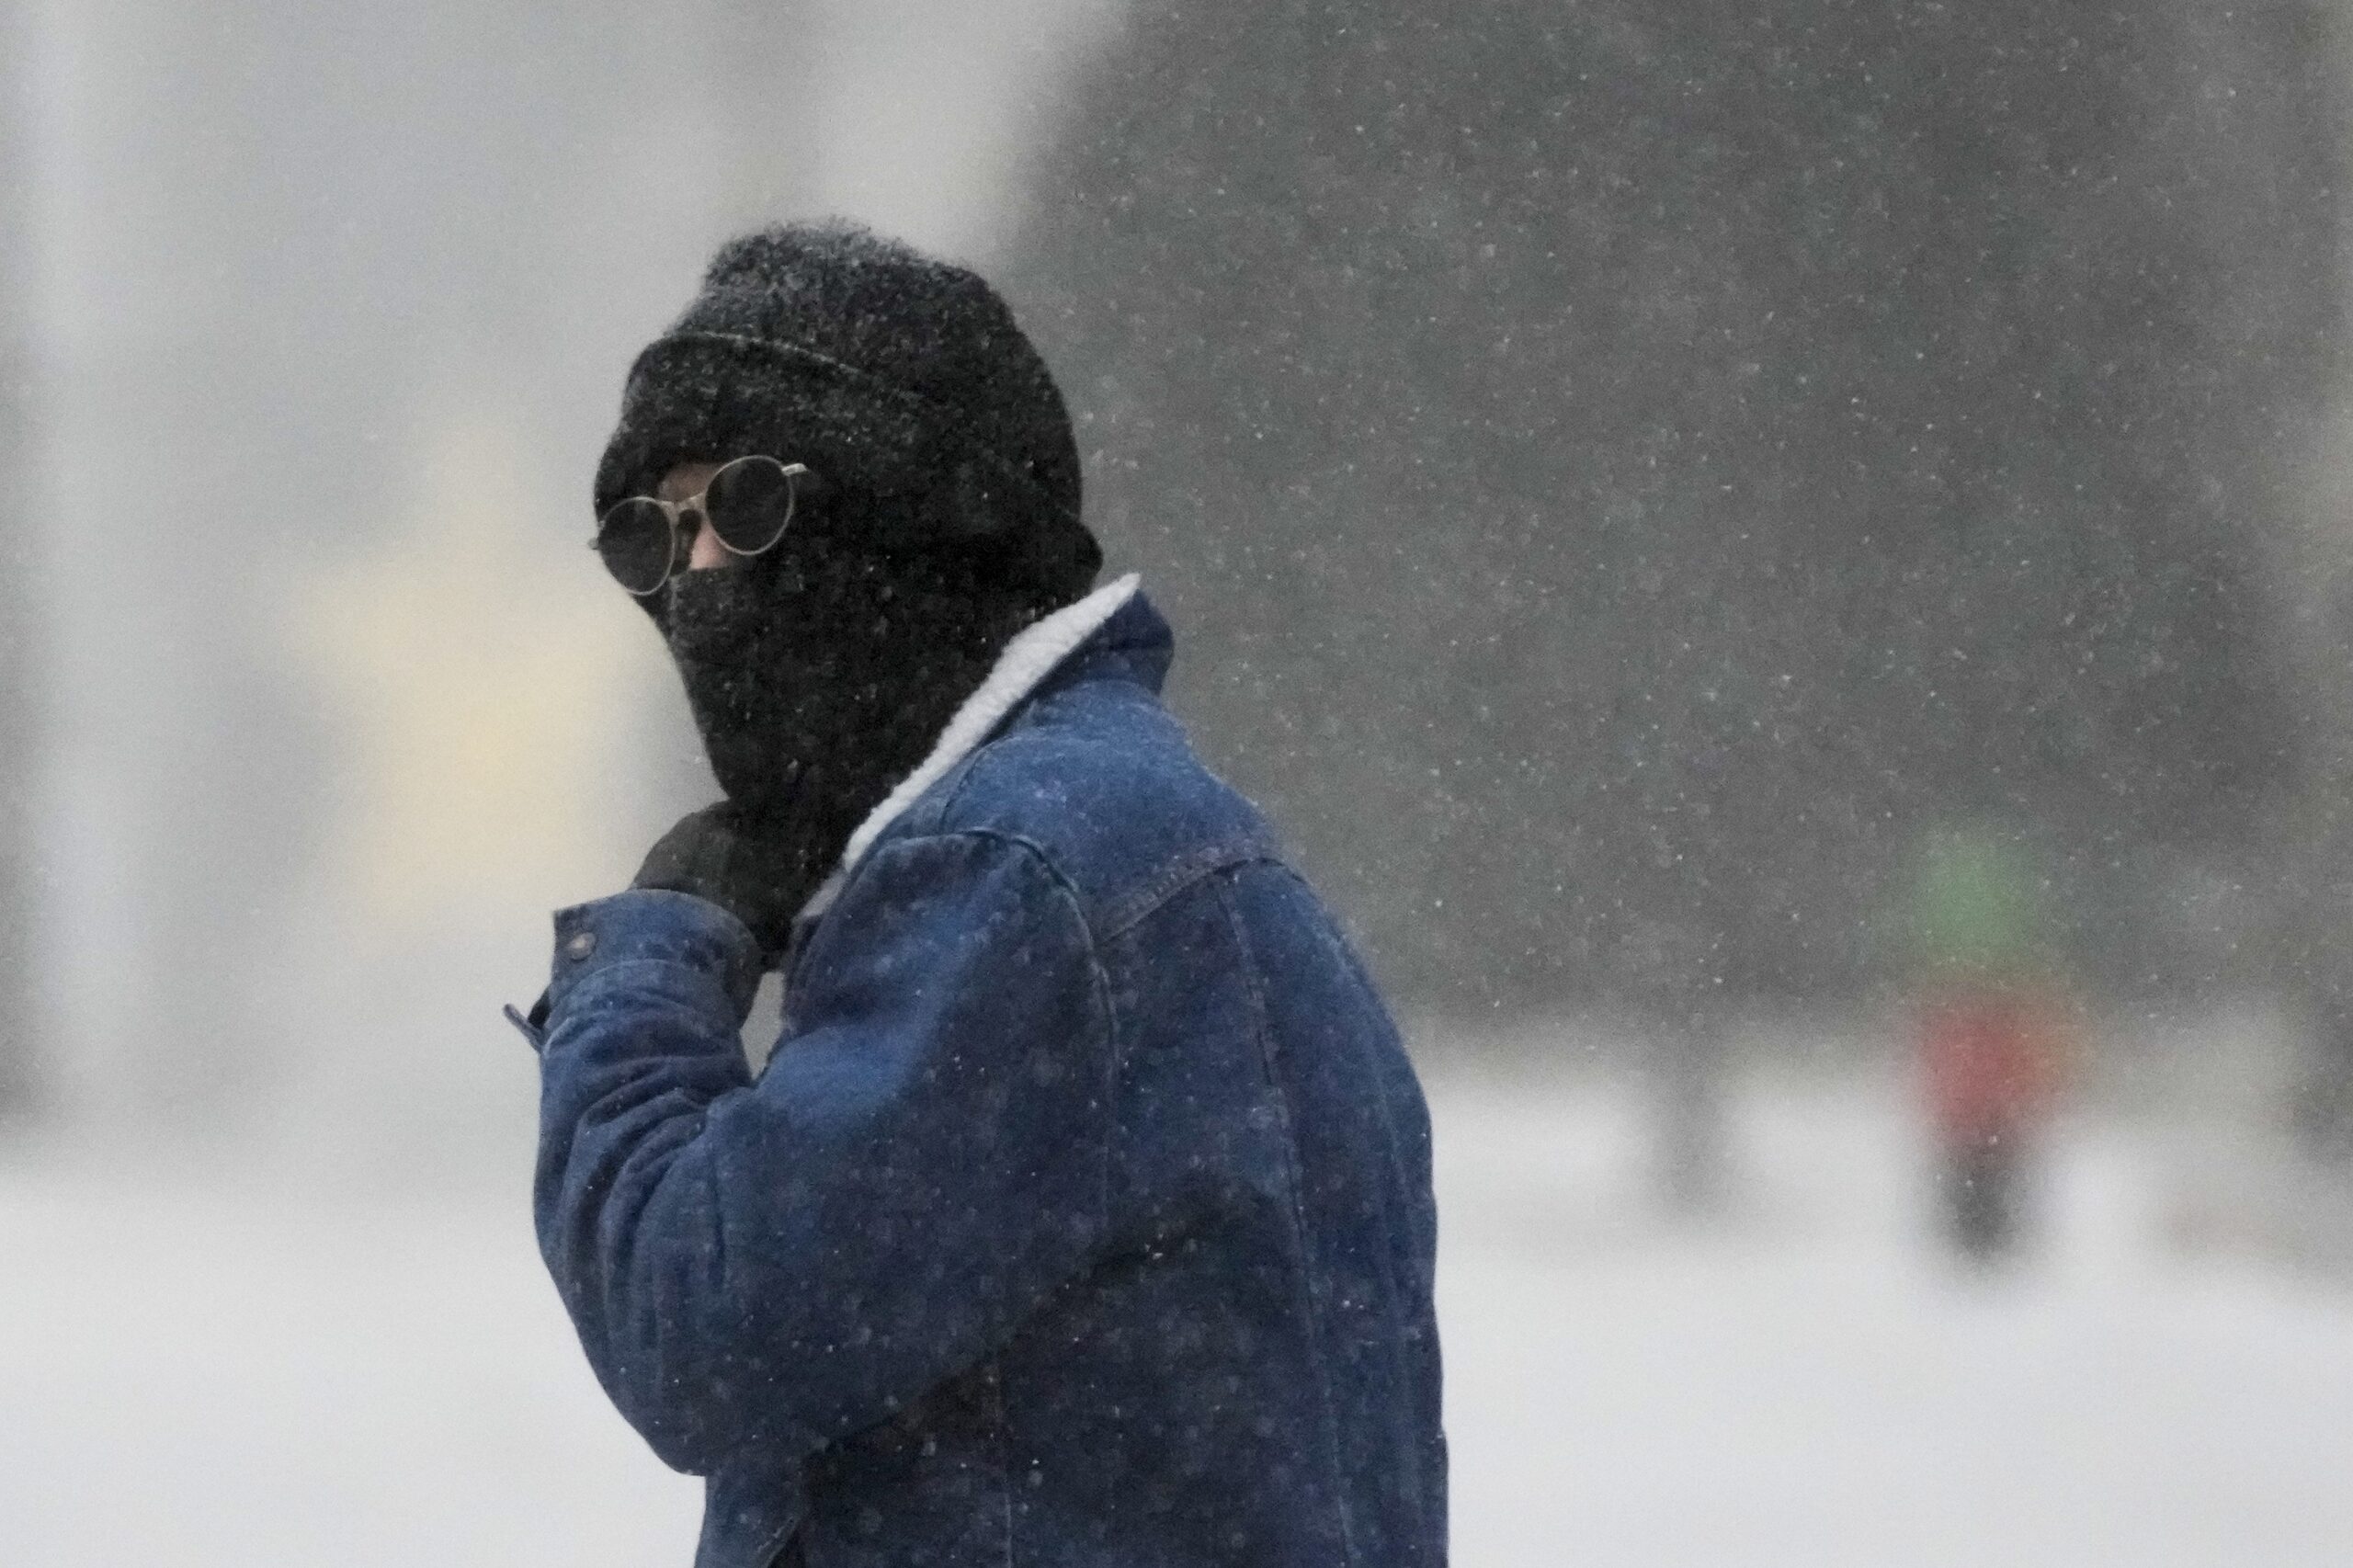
point(747, 503)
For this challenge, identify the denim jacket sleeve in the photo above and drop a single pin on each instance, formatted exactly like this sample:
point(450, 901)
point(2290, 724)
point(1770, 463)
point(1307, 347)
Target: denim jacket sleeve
point(780, 1263)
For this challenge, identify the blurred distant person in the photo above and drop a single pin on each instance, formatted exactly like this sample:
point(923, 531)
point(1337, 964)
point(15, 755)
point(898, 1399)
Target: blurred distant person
point(1081, 1214)
point(1990, 1058)
point(1991, 1024)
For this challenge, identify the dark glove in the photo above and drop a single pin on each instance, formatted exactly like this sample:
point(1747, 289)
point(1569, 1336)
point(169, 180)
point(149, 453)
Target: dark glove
point(761, 874)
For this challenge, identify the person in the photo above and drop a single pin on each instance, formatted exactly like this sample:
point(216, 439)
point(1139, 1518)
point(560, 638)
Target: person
point(1082, 1213)
point(1992, 1025)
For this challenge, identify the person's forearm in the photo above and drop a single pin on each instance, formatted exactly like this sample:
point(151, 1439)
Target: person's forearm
point(640, 1039)
point(776, 1264)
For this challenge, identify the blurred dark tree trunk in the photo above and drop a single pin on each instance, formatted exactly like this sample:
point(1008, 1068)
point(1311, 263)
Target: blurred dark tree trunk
point(19, 728)
point(1623, 471)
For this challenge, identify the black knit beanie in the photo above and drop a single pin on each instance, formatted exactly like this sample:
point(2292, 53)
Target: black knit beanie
point(886, 371)
point(821, 672)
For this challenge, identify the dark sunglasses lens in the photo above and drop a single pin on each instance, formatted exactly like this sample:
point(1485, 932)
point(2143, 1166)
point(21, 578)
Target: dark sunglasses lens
point(634, 540)
point(749, 504)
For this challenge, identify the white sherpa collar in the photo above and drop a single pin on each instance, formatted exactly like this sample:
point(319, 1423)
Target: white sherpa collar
point(1028, 658)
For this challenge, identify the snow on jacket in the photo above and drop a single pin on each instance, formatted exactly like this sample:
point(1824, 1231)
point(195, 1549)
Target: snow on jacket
point(1082, 1214)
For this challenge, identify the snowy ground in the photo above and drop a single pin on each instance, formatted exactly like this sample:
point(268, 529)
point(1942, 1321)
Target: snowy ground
point(1806, 1382)
point(236, 1371)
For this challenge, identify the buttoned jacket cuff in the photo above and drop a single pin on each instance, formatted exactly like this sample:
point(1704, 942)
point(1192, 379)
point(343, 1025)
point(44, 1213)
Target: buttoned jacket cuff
point(652, 938)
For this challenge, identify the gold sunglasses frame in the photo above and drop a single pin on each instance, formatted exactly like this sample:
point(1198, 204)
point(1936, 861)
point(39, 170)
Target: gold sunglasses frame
point(796, 476)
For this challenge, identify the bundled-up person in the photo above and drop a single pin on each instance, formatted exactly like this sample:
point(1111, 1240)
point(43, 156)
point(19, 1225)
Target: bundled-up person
point(1994, 1028)
point(1082, 1213)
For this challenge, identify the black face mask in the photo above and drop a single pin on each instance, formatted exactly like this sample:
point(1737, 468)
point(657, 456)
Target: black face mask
point(820, 675)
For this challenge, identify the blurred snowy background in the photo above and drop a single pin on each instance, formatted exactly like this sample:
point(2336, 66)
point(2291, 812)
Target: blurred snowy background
point(1717, 531)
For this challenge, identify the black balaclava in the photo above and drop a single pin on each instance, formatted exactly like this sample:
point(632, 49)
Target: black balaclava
point(823, 670)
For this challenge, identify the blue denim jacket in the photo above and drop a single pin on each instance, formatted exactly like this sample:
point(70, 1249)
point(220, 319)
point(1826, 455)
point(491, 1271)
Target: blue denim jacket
point(1082, 1214)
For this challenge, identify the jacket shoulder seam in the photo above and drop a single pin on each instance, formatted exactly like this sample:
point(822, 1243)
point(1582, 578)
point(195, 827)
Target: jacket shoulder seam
point(1181, 873)
point(1121, 914)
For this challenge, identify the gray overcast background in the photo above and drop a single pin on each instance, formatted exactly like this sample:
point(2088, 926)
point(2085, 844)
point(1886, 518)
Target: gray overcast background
point(1626, 478)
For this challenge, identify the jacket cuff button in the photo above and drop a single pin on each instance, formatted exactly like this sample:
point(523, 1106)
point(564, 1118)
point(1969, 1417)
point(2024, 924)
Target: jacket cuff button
point(580, 945)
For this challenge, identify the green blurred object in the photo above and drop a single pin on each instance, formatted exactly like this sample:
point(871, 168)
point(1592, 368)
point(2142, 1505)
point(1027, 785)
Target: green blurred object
point(1976, 907)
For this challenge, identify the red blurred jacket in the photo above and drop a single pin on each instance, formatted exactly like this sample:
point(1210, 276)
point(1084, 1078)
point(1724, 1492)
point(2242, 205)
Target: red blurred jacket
point(1991, 1058)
